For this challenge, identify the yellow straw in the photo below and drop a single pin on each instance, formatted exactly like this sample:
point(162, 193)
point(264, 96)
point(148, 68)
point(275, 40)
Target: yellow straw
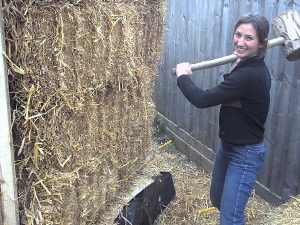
point(202, 211)
point(163, 145)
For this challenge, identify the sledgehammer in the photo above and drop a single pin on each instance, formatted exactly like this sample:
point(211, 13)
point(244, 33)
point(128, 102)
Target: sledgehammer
point(286, 28)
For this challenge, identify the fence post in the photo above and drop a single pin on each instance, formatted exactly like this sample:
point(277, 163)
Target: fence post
point(8, 198)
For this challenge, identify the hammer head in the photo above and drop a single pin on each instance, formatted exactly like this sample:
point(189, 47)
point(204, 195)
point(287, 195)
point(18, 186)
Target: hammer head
point(287, 25)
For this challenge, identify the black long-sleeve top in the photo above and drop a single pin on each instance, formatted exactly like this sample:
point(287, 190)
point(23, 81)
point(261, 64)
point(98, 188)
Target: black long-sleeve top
point(244, 97)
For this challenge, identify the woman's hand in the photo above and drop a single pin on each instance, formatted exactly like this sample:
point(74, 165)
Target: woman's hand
point(183, 68)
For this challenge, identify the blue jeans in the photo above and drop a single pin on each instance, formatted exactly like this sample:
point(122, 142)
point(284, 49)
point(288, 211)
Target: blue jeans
point(234, 175)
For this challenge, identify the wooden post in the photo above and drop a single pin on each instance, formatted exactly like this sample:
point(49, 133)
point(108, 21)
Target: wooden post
point(8, 198)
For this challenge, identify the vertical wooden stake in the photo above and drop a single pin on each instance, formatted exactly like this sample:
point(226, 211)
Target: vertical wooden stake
point(8, 200)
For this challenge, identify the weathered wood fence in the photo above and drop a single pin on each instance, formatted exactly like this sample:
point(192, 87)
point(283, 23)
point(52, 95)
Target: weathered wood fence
point(201, 30)
point(8, 195)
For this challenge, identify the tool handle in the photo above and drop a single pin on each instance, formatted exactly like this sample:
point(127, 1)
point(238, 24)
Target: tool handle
point(228, 58)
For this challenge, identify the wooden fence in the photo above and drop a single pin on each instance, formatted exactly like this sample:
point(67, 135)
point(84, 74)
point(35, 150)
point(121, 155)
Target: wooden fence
point(201, 30)
point(8, 192)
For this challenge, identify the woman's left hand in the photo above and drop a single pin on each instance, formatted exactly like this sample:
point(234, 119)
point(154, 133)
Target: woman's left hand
point(183, 69)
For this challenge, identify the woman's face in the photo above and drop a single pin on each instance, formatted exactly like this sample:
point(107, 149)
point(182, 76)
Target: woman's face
point(245, 40)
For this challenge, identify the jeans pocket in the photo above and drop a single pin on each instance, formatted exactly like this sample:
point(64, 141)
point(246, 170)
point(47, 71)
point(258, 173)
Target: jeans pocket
point(256, 155)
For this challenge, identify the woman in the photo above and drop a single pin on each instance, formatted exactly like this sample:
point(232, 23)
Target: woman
point(244, 98)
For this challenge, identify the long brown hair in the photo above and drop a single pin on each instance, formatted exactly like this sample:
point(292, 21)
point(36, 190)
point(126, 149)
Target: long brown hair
point(262, 27)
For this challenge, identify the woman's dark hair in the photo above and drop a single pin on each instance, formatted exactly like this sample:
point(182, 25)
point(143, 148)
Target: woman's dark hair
point(260, 24)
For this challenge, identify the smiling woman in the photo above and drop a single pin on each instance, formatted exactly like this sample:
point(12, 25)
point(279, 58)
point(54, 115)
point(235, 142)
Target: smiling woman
point(245, 42)
point(250, 36)
point(244, 98)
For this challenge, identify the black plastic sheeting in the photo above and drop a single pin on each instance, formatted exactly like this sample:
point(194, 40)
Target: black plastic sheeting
point(144, 208)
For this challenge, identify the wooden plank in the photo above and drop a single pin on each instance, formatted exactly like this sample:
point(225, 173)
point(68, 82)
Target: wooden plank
point(188, 145)
point(279, 149)
point(292, 169)
point(268, 195)
point(7, 168)
point(190, 152)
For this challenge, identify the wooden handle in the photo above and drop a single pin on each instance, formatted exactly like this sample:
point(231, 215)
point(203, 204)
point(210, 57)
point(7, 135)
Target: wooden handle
point(227, 59)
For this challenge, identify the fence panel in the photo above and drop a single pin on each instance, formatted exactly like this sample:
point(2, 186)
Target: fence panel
point(202, 30)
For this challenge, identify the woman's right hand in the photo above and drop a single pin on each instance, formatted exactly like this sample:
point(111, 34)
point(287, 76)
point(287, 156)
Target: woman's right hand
point(183, 69)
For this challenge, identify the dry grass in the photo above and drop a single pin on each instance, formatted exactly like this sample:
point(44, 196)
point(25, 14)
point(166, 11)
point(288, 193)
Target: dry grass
point(287, 214)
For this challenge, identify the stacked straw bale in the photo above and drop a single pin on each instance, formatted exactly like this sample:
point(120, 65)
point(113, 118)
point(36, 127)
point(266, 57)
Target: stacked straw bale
point(81, 75)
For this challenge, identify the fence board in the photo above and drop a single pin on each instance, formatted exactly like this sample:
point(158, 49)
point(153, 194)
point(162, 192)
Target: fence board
point(8, 198)
point(202, 30)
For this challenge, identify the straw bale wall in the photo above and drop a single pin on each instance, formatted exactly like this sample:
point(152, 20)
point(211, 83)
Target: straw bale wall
point(81, 77)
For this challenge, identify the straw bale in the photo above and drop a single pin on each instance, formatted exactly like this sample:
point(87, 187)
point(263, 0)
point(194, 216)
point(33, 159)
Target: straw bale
point(81, 79)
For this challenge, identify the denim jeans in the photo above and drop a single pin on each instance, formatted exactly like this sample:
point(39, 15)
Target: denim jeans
point(234, 175)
